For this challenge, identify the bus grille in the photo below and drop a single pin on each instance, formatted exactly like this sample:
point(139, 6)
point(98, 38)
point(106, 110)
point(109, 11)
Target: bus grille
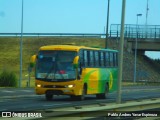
point(53, 86)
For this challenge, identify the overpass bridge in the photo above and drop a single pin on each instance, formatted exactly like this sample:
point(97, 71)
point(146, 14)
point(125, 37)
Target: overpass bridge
point(147, 37)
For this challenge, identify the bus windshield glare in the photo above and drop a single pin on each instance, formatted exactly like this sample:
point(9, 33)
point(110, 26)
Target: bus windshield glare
point(55, 65)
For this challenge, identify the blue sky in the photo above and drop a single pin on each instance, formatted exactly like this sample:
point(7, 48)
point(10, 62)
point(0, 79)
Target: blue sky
point(73, 16)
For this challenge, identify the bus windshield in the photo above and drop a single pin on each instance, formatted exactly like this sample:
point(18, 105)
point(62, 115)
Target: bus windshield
point(55, 65)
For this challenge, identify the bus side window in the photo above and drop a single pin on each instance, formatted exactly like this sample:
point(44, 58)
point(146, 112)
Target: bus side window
point(80, 63)
point(102, 58)
point(107, 59)
point(88, 58)
point(99, 58)
point(81, 58)
point(116, 59)
point(111, 59)
point(91, 59)
point(85, 58)
point(96, 58)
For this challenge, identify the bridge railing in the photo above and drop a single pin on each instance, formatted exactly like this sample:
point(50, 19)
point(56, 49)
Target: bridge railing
point(53, 34)
point(134, 31)
point(130, 31)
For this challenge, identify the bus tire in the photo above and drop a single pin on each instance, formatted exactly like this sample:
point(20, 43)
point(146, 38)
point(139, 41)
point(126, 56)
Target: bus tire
point(72, 97)
point(84, 92)
point(49, 97)
point(105, 94)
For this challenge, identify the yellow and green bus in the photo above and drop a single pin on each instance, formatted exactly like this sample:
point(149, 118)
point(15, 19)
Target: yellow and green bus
point(75, 71)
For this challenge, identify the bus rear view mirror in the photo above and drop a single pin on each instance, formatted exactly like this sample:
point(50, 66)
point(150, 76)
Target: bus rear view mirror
point(75, 62)
point(33, 60)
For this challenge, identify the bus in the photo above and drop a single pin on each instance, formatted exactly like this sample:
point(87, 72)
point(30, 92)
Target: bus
point(75, 71)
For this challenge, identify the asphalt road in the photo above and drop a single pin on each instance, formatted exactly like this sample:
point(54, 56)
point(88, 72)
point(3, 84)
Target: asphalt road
point(24, 99)
point(28, 92)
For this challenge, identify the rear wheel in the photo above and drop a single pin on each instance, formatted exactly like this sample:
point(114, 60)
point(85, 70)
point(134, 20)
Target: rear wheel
point(105, 94)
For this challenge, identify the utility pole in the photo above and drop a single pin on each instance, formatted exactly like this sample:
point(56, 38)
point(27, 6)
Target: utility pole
point(120, 65)
point(21, 43)
point(106, 42)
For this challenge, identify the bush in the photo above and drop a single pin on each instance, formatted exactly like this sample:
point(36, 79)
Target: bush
point(8, 79)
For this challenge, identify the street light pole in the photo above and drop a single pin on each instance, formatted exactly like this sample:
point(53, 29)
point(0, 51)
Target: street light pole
point(21, 42)
point(106, 42)
point(147, 9)
point(135, 48)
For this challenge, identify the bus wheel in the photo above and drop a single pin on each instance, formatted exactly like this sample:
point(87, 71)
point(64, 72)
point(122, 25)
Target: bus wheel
point(105, 94)
point(49, 96)
point(84, 91)
point(72, 97)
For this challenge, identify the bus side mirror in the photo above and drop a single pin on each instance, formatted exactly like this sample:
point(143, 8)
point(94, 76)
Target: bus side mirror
point(75, 62)
point(32, 61)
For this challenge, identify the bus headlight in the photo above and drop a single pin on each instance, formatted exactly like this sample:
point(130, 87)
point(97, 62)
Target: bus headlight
point(39, 85)
point(70, 86)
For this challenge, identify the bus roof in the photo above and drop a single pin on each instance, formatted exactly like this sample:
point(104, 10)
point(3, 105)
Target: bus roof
point(71, 48)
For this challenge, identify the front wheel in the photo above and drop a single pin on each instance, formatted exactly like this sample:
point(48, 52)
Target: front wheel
point(84, 92)
point(105, 94)
point(49, 97)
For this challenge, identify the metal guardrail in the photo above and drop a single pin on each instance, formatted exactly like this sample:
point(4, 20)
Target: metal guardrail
point(133, 30)
point(107, 110)
point(53, 34)
point(103, 109)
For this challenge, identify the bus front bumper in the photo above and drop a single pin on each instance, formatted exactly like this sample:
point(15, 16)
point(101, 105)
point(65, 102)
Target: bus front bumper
point(69, 88)
point(55, 91)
